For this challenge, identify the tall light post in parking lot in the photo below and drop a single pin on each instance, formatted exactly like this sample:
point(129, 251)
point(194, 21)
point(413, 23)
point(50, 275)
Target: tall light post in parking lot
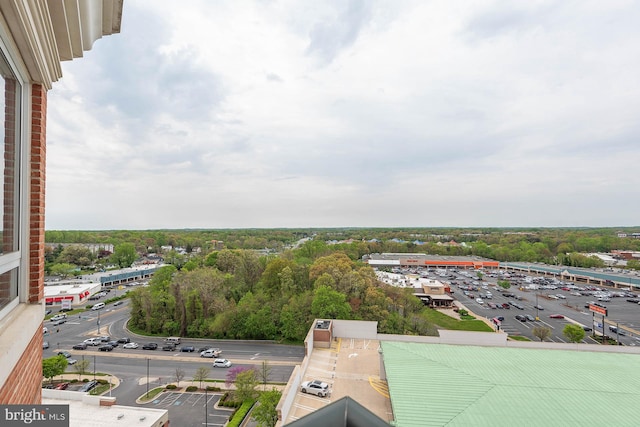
point(537, 307)
point(98, 322)
point(206, 409)
point(147, 395)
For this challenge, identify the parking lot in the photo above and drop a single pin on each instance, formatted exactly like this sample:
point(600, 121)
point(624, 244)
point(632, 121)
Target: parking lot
point(188, 409)
point(554, 307)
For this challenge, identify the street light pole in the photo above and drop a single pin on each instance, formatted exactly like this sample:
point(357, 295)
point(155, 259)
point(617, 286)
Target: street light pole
point(98, 322)
point(537, 308)
point(94, 368)
point(147, 377)
point(206, 409)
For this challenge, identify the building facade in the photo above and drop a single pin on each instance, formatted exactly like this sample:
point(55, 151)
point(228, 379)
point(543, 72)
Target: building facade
point(35, 36)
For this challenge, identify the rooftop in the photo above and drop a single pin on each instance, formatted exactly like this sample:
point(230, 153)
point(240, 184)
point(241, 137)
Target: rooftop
point(463, 385)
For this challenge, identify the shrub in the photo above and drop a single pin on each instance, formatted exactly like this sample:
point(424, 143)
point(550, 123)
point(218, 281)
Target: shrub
point(227, 401)
point(191, 388)
point(239, 415)
point(213, 388)
point(171, 387)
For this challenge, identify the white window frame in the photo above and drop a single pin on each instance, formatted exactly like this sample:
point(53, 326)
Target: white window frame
point(20, 258)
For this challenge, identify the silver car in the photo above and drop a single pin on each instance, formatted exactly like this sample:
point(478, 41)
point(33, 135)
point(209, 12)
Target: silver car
point(316, 387)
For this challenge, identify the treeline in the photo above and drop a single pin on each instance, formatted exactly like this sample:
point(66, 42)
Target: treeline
point(236, 294)
point(147, 241)
point(534, 244)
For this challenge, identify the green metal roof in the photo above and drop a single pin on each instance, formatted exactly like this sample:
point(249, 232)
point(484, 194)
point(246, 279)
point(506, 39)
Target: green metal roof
point(456, 385)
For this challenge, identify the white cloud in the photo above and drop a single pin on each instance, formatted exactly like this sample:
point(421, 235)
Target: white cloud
point(281, 113)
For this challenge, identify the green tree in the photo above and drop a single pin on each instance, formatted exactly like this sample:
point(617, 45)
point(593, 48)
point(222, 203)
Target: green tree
point(574, 333)
point(53, 366)
point(124, 255)
point(633, 264)
point(76, 254)
point(330, 304)
point(265, 413)
point(504, 284)
point(63, 270)
point(541, 332)
point(246, 382)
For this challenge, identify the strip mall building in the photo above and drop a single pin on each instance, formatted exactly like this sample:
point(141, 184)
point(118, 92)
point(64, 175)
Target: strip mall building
point(431, 261)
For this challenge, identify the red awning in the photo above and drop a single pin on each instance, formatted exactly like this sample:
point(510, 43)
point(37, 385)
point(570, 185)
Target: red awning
point(48, 300)
point(57, 299)
point(68, 297)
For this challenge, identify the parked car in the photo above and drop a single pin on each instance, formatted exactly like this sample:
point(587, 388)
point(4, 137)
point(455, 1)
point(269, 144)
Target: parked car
point(187, 348)
point(505, 306)
point(521, 318)
point(530, 318)
point(62, 386)
point(539, 307)
point(556, 316)
point(211, 352)
point(130, 345)
point(617, 330)
point(117, 303)
point(124, 340)
point(633, 300)
point(64, 353)
point(88, 386)
point(45, 345)
point(105, 347)
point(316, 387)
point(150, 346)
point(221, 363)
point(80, 346)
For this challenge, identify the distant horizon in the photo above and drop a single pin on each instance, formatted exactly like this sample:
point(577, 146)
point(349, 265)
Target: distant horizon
point(358, 227)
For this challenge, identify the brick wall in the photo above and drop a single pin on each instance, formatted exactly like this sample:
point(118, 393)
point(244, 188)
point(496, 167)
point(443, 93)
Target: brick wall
point(37, 193)
point(24, 385)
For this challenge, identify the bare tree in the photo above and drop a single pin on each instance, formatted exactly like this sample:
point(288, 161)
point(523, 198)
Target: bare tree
point(263, 373)
point(81, 367)
point(541, 332)
point(201, 374)
point(179, 374)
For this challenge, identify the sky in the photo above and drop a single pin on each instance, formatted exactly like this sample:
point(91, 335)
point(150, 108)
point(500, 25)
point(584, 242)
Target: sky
point(351, 113)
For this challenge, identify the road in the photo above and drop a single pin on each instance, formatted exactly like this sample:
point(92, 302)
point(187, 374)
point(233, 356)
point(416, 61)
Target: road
point(133, 367)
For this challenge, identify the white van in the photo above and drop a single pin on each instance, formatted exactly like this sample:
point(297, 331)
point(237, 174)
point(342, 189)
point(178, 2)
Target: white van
point(98, 306)
point(173, 340)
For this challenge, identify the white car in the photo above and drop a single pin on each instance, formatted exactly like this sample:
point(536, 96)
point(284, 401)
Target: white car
point(92, 341)
point(221, 363)
point(316, 387)
point(561, 296)
point(60, 316)
point(479, 301)
point(211, 352)
point(130, 345)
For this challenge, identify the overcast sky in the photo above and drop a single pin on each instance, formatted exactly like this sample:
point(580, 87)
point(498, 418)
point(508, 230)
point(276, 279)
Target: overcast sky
point(236, 114)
